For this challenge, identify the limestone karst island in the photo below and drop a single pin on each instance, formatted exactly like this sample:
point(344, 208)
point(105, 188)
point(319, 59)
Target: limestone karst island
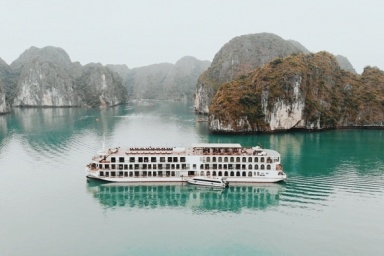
point(255, 83)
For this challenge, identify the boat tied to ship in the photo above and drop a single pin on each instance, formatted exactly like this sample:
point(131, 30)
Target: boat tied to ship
point(231, 161)
point(208, 181)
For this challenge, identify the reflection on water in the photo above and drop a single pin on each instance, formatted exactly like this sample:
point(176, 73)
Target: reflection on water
point(198, 199)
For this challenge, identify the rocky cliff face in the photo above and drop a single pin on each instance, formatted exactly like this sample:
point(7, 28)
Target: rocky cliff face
point(100, 86)
point(299, 92)
point(47, 77)
point(238, 57)
point(7, 82)
point(166, 81)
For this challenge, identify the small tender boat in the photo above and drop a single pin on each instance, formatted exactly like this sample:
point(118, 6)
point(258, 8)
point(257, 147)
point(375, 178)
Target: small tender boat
point(208, 181)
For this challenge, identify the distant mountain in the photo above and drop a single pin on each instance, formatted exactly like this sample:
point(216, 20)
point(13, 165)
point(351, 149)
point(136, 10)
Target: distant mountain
point(238, 57)
point(345, 64)
point(166, 81)
point(47, 77)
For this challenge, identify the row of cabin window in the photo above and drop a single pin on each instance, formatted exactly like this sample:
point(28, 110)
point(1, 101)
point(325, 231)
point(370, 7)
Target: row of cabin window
point(173, 174)
point(144, 166)
point(138, 174)
point(232, 173)
point(235, 166)
point(153, 159)
point(243, 159)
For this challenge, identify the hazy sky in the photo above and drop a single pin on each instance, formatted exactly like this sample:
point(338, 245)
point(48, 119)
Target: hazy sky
point(144, 32)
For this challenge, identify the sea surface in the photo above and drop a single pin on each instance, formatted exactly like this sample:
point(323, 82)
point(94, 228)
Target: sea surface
point(331, 204)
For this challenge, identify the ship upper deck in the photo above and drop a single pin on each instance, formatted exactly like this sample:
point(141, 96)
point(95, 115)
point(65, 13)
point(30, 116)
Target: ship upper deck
point(201, 149)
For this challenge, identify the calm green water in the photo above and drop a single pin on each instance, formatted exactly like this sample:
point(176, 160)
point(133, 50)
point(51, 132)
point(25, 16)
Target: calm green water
point(332, 203)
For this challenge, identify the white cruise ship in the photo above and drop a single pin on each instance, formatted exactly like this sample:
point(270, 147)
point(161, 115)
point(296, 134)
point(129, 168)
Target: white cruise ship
point(231, 161)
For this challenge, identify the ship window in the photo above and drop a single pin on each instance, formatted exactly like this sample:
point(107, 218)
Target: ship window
point(160, 173)
point(238, 174)
point(226, 173)
point(170, 159)
point(220, 173)
point(178, 166)
point(153, 159)
point(213, 159)
point(113, 174)
point(231, 160)
point(172, 166)
point(244, 174)
point(249, 174)
point(107, 174)
point(250, 159)
point(220, 159)
point(167, 166)
point(162, 159)
point(145, 159)
point(232, 174)
point(214, 166)
point(202, 173)
point(237, 159)
point(182, 159)
point(140, 159)
point(250, 167)
point(256, 159)
point(121, 159)
point(225, 167)
point(130, 167)
point(175, 159)
point(132, 159)
point(269, 160)
point(125, 167)
point(113, 166)
point(154, 166)
point(256, 167)
point(220, 166)
point(130, 174)
point(167, 173)
point(262, 160)
point(137, 174)
point(149, 174)
point(208, 159)
point(183, 166)
point(262, 167)
point(144, 166)
point(244, 159)
point(214, 173)
point(149, 166)
point(120, 166)
point(160, 166)
point(201, 166)
point(208, 173)
point(225, 159)
point(121, 174)
point(136, 166)
point(101, 173)
point(268, 167)
point(238, 166)
point(144, 173)
point(113, 159)
point(154, 174)
point(173, 174)
point(243, 167)
point(194, 166)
